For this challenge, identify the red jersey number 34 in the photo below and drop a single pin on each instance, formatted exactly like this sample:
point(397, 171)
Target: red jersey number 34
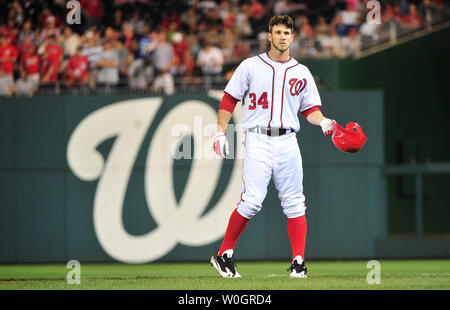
point(262, 101)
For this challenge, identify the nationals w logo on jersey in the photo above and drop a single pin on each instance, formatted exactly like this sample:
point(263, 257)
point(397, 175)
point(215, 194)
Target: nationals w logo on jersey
point(297, 86)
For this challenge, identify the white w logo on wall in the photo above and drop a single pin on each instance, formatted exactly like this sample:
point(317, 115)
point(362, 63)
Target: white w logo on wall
point(181, 222)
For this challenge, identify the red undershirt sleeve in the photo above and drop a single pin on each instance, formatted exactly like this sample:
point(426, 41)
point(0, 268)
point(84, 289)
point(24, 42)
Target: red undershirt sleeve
point(309, 111)
point(228, 103)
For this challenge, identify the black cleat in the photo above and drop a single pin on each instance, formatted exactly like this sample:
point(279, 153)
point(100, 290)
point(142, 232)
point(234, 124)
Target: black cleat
point(298, 268)
point(225, 265)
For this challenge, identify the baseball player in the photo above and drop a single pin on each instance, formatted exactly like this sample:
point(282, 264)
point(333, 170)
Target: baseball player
point(273, 87)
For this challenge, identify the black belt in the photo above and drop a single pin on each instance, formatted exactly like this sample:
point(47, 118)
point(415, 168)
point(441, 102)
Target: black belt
point(271, 131)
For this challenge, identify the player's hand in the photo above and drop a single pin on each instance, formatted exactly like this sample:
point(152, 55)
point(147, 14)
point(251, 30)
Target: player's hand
point(327, 126)
point(221, 145)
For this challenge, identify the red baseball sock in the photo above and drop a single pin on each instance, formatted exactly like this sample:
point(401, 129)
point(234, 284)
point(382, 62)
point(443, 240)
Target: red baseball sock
point(297, 234)
point(236, 225)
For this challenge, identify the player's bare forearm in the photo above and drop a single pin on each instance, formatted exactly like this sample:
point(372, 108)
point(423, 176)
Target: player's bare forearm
point(223, 118)
point(315, 118)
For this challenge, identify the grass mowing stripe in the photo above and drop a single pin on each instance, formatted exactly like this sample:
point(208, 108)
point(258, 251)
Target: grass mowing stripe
point(342, 275)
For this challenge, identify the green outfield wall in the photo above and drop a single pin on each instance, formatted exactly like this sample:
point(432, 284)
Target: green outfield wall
point(133, 179)
point(414, 78)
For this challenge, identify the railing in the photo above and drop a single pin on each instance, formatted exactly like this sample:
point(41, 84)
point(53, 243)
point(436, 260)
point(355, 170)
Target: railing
point(390, 33)
point(418, 171)
point(200, 84)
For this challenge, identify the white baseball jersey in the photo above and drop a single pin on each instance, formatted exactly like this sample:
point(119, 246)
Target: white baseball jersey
point(273, 92)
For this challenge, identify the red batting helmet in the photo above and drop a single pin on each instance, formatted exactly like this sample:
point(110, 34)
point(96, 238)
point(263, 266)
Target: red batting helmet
point(349, 140)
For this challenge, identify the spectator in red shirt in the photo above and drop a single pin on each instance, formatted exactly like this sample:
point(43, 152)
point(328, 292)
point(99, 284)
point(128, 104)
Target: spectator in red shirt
point(93, 12)
point(413, 20)
point(11, 32)
point(183, 63)
point(29, 73)
point(47, 16)
point(76, 73)
point(52, 55)
point(257, 9)
point(25, 45)
point(8, 56)
point(257, 14)
point(306, 31)
point(174, 19)
point(230, 20)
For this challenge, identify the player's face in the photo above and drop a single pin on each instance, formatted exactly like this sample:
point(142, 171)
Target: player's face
point(281, 37)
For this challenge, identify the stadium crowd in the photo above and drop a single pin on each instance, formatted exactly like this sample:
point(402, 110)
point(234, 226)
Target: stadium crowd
point(148, 44)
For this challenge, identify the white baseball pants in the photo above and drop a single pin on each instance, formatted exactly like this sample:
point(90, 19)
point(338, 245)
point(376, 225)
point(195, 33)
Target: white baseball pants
point(276, 157)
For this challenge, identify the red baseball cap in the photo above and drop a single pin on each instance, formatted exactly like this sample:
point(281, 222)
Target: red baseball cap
point(349, 140)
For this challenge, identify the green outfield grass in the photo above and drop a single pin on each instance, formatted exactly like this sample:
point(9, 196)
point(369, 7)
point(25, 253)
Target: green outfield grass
point(340, 275)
